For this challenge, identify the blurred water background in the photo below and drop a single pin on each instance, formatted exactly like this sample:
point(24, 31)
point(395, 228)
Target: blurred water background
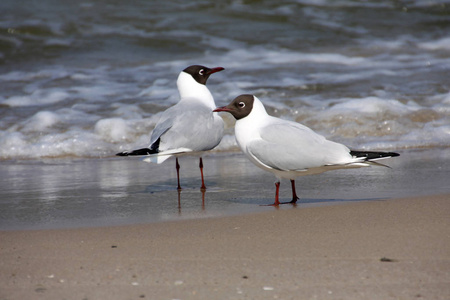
point(88, 78)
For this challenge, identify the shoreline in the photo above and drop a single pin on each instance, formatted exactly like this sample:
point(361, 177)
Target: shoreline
point(388, 249)
point(110, 192)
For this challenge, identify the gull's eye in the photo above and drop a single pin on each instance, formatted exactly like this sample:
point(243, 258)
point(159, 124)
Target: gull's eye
point(201, 72)
point(241, 104)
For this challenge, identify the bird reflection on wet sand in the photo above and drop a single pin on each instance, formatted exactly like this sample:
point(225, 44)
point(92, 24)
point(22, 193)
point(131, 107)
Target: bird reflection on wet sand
point(203, 191)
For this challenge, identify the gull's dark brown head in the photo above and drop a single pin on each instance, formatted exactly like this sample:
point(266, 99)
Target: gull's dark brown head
point(240, 107)
point(201, 73)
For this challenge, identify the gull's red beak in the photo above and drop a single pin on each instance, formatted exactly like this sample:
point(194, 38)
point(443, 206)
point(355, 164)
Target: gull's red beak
point(215, 70)
point(223, 108)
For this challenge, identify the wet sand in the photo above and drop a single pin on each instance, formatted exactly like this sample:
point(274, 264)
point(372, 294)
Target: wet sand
point(387, 249)
point(71, 193)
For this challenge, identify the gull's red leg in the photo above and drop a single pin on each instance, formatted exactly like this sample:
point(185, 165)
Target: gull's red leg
point(277, 191)
point(177, 166)
point(200, 165)
point(294, 194)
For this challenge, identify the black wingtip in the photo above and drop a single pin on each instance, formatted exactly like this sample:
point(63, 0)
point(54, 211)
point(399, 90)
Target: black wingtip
point(124, 153)
point(393, 154)
point(143, 151)
point(373, 155)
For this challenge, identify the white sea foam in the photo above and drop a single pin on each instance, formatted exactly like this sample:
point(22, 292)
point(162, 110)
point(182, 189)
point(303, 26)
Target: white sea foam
point(41, 121)
point(441, 44)
point(85, 130)
point(112, 130)
point(38, 97)
point(370, 106)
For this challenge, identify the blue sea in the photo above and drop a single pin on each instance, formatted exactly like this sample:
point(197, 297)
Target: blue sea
point(83, 80)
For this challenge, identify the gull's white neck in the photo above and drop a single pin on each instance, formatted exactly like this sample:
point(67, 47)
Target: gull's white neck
point(248, 128)
point(189, 88)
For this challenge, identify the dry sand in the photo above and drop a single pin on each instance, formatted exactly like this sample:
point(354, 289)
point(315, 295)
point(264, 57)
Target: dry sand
point(393, 249)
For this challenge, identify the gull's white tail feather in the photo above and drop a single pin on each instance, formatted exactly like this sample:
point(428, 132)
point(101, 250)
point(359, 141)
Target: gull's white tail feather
point(163, 156)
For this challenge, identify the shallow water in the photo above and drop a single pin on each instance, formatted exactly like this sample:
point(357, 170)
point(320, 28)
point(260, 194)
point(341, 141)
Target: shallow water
point(104, 192)
point(88, 79)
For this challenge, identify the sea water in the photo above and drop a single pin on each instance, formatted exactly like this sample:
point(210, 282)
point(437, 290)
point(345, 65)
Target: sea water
point(84, 80)
point(89, 78)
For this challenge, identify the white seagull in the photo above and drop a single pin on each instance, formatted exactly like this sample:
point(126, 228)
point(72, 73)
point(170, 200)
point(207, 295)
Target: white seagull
point(188, 126)
point(289, 149)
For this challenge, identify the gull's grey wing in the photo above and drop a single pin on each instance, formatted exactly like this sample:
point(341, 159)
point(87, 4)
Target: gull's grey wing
point(188, 124)
point(290, 146)
point(165, 123)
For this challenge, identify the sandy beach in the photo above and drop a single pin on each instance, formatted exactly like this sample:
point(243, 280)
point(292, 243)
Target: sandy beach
point(387, 249)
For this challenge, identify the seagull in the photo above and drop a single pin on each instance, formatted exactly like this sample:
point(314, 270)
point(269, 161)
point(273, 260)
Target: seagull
point(189, 126)
point(289, 149)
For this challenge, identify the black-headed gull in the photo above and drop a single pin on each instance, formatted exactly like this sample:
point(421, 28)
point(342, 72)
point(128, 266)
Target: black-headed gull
point(188, 126)
point(289, 149)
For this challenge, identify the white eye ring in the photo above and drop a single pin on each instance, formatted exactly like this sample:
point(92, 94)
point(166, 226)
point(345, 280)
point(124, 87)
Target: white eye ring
point(201, 71)
point(241, 104)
